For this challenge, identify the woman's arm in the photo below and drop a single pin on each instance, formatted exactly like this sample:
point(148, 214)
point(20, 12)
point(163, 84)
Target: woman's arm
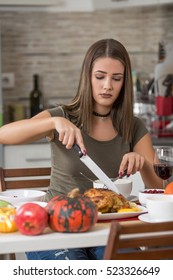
point(145, 148)
point(27, 130)
point(141, 159)
point(40, 126)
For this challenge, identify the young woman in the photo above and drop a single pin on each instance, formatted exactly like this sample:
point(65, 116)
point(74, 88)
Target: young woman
point(100, 120)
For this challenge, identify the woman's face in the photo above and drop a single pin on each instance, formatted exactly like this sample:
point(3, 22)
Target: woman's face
point(107, 78)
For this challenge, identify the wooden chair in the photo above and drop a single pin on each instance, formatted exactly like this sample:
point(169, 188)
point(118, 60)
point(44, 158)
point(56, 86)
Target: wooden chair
point(141, 241)
point(24, 178)
point(20, 178)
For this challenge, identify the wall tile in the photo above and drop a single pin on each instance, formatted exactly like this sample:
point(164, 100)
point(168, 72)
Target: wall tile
point(54, 44)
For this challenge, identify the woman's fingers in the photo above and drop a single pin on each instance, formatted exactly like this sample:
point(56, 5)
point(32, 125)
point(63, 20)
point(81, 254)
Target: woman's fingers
point(132, 162)
point(79, 141)
point(69, 134)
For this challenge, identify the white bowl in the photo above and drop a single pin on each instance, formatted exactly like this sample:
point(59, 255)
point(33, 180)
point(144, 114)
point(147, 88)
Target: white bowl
point(41, 203)
point(160, 208)
point(22, 195)
point(148, 193)
point(97, 184)
point(123, 185)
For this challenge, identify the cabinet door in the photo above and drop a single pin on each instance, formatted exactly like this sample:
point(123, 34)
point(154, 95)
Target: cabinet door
point(32, 155)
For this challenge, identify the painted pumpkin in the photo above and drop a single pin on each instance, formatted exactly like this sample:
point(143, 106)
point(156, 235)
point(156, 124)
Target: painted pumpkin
point(71, 213)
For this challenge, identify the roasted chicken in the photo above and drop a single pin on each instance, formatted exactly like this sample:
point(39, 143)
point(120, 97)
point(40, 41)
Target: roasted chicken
point(106, 200)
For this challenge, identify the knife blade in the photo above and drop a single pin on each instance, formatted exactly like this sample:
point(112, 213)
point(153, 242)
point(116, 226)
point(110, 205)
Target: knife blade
point(95, 169)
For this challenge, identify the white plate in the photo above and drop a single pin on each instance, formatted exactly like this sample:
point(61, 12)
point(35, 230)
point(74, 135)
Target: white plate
point(146, 218)
point(22, 195)
point(110, 216)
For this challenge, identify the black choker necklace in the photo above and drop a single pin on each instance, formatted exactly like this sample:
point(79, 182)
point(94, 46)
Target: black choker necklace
point(101, 115)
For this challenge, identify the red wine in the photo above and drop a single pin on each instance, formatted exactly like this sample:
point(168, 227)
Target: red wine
point(163, 170)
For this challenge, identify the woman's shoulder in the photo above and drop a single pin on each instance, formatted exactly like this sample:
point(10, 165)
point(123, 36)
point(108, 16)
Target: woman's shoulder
point(138, 122)
point(139, 130)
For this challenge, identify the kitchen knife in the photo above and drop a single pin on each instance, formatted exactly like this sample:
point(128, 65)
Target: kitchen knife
point(95, 169)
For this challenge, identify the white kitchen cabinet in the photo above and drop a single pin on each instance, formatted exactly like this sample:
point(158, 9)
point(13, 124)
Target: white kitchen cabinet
point(47, 5)
point(29, 155)
point(31, 2)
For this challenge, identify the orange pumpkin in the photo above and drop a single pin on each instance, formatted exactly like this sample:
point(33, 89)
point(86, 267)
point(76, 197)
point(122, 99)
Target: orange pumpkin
point(7, 223)
point(169, 188)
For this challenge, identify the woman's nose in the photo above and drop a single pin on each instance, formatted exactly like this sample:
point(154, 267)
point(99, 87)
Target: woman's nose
point(107, 85)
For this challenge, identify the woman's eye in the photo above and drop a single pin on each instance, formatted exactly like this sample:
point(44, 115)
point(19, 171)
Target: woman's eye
point(99, 77)
point(117, 78)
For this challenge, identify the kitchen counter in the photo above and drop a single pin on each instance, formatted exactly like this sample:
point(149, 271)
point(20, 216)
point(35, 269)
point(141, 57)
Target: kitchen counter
point(162, 141)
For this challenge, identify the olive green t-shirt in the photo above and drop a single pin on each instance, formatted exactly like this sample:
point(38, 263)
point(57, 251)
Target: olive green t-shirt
point(66, 164)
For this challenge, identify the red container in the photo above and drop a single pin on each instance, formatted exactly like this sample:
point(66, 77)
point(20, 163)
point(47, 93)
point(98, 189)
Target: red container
point(164, 105)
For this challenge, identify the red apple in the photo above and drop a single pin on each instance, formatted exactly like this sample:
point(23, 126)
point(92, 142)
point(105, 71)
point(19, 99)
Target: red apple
point(31, 219)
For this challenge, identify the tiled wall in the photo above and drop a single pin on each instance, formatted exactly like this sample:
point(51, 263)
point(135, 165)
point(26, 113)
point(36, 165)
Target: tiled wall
point(53, 45)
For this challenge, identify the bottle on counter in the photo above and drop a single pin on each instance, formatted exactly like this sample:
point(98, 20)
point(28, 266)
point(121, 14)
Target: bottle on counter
point(138, 88)
point(160, 70)
point(161, 52)
point(36, 97)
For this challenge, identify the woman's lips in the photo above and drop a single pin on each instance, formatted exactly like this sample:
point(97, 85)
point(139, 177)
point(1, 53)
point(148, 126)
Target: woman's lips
point(105, 95)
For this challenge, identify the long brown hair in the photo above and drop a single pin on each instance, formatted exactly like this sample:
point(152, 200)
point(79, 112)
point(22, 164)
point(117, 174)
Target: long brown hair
point(80, 108)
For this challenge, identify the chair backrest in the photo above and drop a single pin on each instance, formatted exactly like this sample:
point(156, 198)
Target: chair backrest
point(24, 178)
point(20, 178)
point(140, 241)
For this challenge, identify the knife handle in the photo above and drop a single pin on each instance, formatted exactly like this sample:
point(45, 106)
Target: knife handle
point(123, 175)
point(78, 150)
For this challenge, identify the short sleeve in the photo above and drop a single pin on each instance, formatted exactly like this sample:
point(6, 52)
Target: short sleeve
point(139, 130)
point(55, 112)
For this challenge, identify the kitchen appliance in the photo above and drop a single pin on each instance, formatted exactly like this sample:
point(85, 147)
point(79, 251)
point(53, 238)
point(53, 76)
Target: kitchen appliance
point(163, 78)
point(95, 169)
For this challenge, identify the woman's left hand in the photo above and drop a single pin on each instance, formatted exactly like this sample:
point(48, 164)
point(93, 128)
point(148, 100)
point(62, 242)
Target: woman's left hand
point(132, 162)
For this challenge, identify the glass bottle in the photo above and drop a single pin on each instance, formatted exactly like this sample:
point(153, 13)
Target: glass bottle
point(36, 97)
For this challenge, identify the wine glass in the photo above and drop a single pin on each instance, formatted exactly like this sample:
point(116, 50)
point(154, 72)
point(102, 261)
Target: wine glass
point(163, 162)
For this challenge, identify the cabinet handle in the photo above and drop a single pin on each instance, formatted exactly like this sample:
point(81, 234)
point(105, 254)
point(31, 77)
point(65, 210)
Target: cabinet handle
point(37, 159)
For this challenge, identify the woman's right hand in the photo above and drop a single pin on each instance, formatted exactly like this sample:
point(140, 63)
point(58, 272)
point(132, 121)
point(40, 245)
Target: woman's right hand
point(69, 134)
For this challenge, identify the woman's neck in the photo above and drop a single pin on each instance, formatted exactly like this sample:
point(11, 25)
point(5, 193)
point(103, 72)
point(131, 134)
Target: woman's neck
point(102, 130)
point(102, 116)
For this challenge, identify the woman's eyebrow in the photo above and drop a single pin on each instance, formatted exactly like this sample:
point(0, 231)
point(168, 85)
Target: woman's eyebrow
point(103, 72)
